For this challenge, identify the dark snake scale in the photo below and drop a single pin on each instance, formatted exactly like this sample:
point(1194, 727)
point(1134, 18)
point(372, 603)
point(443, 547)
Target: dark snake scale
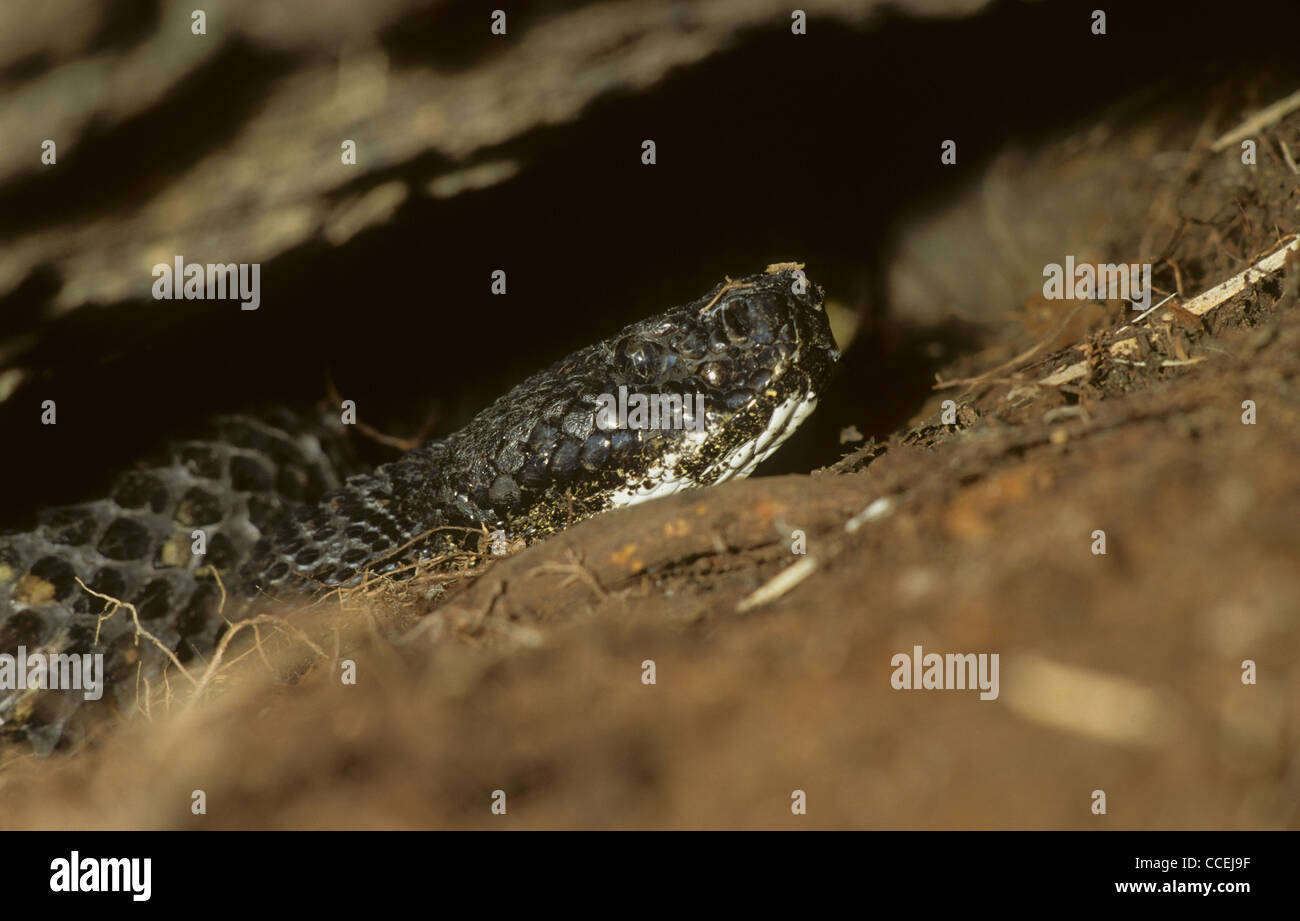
point(283, 511)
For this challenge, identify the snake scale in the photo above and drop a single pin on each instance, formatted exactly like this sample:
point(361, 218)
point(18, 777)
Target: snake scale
point(280, 515)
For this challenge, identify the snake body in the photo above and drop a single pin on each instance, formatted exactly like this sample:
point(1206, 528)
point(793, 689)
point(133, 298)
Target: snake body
point(279, 512)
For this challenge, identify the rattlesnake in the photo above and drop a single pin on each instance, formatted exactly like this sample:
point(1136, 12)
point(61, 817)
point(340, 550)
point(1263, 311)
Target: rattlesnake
point(278, 514)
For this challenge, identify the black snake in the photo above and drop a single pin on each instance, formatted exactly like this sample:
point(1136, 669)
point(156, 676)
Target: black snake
point(269, 497)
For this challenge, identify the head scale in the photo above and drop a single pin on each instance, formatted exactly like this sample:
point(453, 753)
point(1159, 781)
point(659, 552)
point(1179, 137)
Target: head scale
point(690, 397)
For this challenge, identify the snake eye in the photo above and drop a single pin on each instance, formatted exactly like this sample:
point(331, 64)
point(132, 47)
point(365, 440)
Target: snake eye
point(736, 319)
point(642, 359)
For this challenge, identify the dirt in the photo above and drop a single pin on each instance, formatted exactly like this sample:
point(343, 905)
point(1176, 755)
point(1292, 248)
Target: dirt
point(1160, 672)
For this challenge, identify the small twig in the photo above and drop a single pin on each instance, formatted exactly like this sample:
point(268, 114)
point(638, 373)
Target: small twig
point(1204, 303)
point(1018, 360)
point(146, 707)
point(391, 441)
point(729, 286)
point(1146, 313)
point(1200, 305)
point(1178, 276)
point(1167, 363)
point(135, 617)
point(278, 622)
point(1066, 412)
point(1261, 119)
point(261, 653)
point(1290, 160)
point(577, 570)
point(398, 551)
point(877, 509)
point(778, 585)
point(221, 605)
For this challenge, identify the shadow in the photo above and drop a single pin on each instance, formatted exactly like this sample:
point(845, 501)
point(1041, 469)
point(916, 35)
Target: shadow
point(118, 167)
point(456, 35)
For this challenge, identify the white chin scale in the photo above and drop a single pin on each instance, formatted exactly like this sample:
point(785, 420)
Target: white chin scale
point(736, 464)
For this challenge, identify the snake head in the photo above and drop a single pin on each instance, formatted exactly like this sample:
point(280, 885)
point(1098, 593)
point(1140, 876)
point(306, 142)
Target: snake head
point(769, 355)
point(693, 396)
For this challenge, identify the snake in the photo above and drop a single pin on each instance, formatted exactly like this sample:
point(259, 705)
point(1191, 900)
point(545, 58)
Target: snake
point(276, 504)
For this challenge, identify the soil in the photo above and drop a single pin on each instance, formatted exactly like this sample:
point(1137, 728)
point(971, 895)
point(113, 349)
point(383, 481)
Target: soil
point(1157, 677)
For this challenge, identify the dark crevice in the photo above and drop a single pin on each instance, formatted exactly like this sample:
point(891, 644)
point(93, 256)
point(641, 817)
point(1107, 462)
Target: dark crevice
point(125, 23)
